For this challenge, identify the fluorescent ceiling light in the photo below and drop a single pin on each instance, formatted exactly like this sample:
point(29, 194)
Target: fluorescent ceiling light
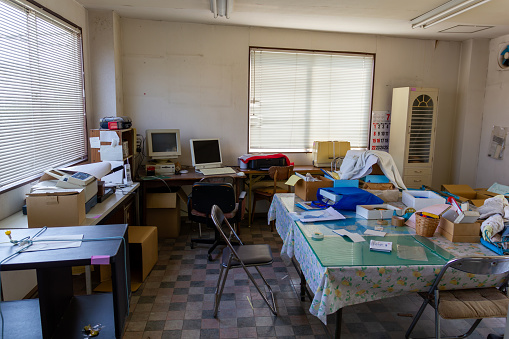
point(221, 8)
point(444, 12)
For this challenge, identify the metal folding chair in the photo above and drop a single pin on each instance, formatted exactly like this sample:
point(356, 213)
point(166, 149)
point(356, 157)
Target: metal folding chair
point(240, 256)
point(477, 303)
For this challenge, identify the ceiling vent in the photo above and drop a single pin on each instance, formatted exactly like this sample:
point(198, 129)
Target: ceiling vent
point(503, 56)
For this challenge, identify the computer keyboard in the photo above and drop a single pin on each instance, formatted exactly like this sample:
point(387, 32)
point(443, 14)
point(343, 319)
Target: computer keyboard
point(216, 171)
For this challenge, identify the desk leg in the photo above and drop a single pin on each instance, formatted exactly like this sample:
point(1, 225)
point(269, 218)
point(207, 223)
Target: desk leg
point(249, 202)
point(339, 317)
point(55, 294)
point(137, 207)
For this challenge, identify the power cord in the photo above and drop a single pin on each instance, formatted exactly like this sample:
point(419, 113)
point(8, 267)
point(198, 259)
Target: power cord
point(29, 241)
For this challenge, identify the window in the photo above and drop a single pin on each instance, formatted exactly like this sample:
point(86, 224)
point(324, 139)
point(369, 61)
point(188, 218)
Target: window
point(297, 97)
point(42, 111)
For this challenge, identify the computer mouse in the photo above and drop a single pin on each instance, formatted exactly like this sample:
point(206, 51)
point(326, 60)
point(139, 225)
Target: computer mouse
point(184, 171)
point(241, 174)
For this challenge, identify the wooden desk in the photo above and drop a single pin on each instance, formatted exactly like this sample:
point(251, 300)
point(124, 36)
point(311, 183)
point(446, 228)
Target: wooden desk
point(254, 176)
point(166, 182)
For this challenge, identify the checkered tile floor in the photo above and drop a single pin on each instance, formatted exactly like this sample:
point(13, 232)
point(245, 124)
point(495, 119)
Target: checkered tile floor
point(177, 300)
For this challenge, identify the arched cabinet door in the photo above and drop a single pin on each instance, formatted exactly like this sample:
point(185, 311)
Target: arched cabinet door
point(412, 137)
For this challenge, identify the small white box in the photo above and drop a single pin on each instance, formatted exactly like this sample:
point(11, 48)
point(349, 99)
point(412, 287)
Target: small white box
point(421, 199)
point(371, 211)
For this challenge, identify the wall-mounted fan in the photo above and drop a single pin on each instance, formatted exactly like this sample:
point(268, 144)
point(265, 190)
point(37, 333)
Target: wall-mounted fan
point(503, 57)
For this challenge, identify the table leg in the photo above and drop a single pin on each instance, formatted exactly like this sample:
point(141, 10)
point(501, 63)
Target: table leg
point(88, 279)
point(339, 317)
point(55, 294)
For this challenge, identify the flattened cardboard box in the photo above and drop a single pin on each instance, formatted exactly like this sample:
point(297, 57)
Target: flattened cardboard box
point(459, 232)
point(56, 208)
point(306, 190)
point(467, 193)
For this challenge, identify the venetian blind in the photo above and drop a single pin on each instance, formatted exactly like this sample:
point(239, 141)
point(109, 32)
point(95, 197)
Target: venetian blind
point(42, 114)
point(297, 97)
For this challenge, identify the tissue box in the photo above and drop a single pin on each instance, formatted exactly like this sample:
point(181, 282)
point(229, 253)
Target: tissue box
point(459, 232)
point(370, 211)
point(306, 190)
point(421, 199)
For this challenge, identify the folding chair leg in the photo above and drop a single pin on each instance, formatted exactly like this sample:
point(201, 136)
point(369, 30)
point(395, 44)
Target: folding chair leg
point(437, 317)
point(273, 306)
point(219, 290)
point(416, 319)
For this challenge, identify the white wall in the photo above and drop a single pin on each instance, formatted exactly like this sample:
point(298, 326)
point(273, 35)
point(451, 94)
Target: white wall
point(12, 201)
point(195, 77)
point(496, 105)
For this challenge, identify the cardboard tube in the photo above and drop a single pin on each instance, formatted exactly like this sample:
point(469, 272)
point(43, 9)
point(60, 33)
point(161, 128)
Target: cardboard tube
point(398, 221)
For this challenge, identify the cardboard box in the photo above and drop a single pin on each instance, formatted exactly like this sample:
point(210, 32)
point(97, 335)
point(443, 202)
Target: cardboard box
point(459, 232)
point(371, 211)
point(143, 251)
point(63, 207)
point(421, 199)
point(163, 211)
point(306, 190)
point(467, 193)
point(143, 255)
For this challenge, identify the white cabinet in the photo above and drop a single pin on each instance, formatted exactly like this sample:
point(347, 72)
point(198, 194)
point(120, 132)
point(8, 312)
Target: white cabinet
point(412, 137)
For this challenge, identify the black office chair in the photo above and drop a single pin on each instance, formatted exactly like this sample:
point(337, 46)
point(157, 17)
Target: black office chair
point(476, 303)
point(240, 256)
point(205, 194)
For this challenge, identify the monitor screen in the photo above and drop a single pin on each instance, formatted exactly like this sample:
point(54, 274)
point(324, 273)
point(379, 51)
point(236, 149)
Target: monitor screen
point(206, 153)
point(163, 143)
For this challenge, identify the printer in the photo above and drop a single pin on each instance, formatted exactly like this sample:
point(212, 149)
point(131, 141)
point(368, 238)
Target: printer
point(57, 180)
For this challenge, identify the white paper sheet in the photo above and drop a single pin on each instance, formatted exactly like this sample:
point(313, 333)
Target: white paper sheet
point(42, 245)
point(115, 177)
point(323, 215)
point(109, 136)
point(95, 142)
point(353, 236)
point(111, 153)
point(375, 233)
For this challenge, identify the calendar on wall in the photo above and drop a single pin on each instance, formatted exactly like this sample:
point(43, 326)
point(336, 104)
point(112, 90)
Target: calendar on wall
point(380, 128)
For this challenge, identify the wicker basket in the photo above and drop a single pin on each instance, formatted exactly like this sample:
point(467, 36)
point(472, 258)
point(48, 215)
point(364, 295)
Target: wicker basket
point(425, 226)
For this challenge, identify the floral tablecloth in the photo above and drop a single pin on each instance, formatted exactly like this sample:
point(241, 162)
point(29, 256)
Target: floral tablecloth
point(337, 287)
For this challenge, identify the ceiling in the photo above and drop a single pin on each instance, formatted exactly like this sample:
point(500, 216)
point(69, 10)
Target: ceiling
point(384, 17)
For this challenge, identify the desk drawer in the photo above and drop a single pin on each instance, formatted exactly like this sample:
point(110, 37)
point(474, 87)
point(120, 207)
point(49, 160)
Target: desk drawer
point(416, 181)
point(420, 171)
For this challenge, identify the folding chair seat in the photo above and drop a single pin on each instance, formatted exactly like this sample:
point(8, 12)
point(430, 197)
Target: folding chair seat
point(476, 303)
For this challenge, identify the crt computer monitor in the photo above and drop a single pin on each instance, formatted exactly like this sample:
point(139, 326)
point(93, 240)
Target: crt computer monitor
point(206, 153)
point(163, 143)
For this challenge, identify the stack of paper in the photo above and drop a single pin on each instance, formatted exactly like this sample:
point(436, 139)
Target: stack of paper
point(382, 246)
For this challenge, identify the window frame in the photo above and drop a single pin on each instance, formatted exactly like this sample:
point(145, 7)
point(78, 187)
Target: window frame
point(58, 19)
point(297, 50)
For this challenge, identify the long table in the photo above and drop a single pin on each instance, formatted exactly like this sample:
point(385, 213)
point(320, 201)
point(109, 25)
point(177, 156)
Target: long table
point(341, 273)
